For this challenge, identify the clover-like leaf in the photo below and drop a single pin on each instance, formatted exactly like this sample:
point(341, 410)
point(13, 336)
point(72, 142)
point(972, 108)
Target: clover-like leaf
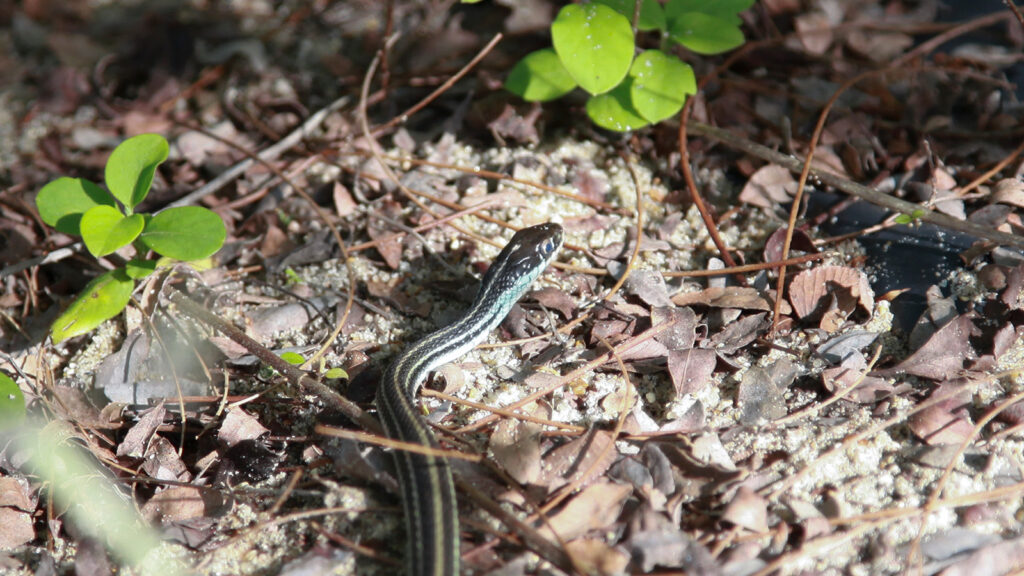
point(105, 229)
point(12, 403)
point(185, 233)
point(293, 358)
point(706, 33)
point(130, 168)
point(660, 85)
point(595, 43)
point(336, 373)
point(62, 203)
point(727, 10)
point(539, 77)
point(652, 16)
point(138, 269)
point(615, 111)
point(102, 299)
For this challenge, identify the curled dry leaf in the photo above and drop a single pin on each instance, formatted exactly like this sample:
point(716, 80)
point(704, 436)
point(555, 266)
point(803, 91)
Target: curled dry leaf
point(770, 186)
point(814, 30)
point(945, 422)
point(595, 508)
point(174, 504)
point(670, 549)
point(812, 290)
point(593, 556)
point(853, 372)
point(747, 510)
point(777, 241)
point(740, 297)
point(1009, 191)
point(239, 425)
point(590, 454)
point(163, 463)
point(137, 439)
point(556, 300)
point(516, 448)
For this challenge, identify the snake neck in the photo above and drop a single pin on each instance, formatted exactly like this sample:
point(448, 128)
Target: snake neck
point(445, 345)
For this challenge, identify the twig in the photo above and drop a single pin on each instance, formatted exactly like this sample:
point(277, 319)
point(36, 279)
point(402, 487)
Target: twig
point(268, 154)
point(859, 190)
point(295, 376)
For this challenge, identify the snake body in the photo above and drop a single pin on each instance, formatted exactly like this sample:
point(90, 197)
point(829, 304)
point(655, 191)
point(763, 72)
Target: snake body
point(428, 491)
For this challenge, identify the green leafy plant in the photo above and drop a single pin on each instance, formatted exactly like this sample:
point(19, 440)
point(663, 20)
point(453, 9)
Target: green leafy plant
point(908, 219)
point(107, 222)
point(12, 403)
point(594, 47)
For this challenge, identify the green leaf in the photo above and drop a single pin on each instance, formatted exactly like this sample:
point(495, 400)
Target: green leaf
point(292, 358)
point(725, 9)
point(130, 168)
point(540, 77)
point(336, 374)
point(105, 229)
point(615, 111)
point(706, 33)
point(660, 85)
point(185, 233)
point(652, 16)
point(62, 202)
point(595, 43)
point(101, 300)
point(138, 269)
point(12, 403)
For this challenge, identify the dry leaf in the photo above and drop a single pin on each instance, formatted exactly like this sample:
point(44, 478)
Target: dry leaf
point(944, 353)
point(239, 425)
point(593, 556)
point(747, 510)
point(595, 508)
point(515, 445)
point(811, 291)
point(590, 454)
point(15, 528)
point(690, 370)
point(174, 504)
point(769, 187)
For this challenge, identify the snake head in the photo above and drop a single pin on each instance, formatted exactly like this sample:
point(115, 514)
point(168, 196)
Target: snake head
point(522, 260)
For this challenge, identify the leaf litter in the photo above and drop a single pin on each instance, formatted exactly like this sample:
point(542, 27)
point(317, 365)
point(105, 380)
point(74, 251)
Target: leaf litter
point(740, 449)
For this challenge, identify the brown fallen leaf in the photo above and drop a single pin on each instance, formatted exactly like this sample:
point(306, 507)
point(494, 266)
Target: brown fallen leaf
point(593, 556)
point(691, 370)
point(136, 442)
point(769, 187)
point(945, 422)
point(174, 504)
point(741, 297)
point(239, 425)
point(943, 355)
point(16, 528)
point(812, 290)
point(747, 510)
point(595, 508)
point(590, 454)
point(515, 445)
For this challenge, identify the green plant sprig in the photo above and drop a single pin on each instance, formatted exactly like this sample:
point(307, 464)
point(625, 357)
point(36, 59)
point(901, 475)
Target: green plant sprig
point(594, 46)
point(107, 222)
